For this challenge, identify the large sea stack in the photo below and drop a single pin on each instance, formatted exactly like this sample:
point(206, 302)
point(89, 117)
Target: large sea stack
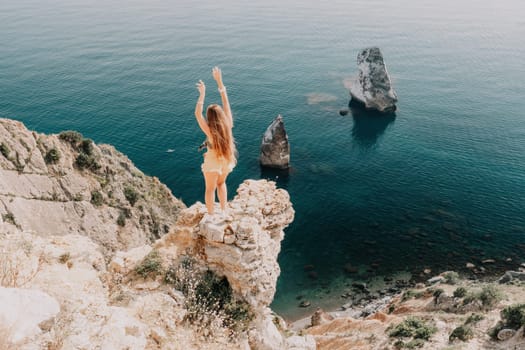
point(372, 88)
point(275, 149)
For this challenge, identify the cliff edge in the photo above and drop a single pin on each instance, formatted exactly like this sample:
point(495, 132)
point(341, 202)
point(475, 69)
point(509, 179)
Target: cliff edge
point(94, 254)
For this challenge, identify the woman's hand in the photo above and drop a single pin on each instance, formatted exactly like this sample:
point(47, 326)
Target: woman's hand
point(217, 75)
point(201, 87)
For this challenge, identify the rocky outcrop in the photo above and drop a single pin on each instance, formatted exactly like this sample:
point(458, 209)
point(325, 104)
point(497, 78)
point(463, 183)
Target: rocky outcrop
point(275, 149)
point(65, 184)
point(372, 87)
point(242, 246)
point(113, 306)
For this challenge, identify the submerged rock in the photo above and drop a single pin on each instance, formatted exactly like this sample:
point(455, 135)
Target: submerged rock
point(275, 149)
point(372, 87)
point(305, 303)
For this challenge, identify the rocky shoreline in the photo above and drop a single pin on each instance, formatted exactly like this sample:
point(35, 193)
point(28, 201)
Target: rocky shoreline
point(359, 285)
point(376, 313)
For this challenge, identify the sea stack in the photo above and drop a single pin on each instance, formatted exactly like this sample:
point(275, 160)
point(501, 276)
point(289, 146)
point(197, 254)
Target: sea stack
point(372, 88)
point(275, 149)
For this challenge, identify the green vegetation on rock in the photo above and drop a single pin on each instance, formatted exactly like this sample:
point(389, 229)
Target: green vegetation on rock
point(71, 136)
point(52, 156)
point(409, 294)
point(413, 327)
point(512, 317)
point(451, 277)
point(86, 146)
point(474, 318)
point(489, 296)
point(209, 297)
point(121, 220)
point(4, 149)
point(460, 292)
point(96, 198)
point(85, 158)
point(150, 266)
point(131, 195)
point(463, 333)
point(84, 161)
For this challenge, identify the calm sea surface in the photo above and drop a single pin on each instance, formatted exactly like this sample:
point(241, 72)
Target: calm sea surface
point(439, 184)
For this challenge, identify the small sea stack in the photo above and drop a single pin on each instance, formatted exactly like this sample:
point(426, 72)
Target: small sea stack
point(372, 87)
point(275, 149)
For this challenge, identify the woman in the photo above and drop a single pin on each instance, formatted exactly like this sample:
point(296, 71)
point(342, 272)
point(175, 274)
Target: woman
point(220, 158)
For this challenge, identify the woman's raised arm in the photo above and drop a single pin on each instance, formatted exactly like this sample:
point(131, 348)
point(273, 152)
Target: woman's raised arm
point(198, 109)
point(217, 75)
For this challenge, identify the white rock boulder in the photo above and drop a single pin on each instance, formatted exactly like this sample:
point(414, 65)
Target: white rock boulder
point(372, 87)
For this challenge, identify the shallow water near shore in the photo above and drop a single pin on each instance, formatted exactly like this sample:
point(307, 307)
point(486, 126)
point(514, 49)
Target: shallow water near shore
point(439, 184)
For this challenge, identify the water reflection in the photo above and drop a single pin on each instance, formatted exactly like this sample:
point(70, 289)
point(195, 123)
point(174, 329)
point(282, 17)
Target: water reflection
point(369, 125)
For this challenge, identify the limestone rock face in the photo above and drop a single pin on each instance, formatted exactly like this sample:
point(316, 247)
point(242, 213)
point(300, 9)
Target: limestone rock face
point(43, 189)
point(23, 310)
point(95, 304)
point(275, 149)
point(242, 245)
point(373, 87)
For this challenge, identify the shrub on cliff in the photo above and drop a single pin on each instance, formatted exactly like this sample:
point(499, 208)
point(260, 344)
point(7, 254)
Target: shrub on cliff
point(121, 220)
point(451, 277)
point(131, 195)
point(150, 266)
point(4, 149)
point(73, 137)
point(489, 296)
point(512, 317)
point(85, 158)
point(460, 292)
point(462, 333)
point(86, 146)
point(96, 198)
point(412, 327)
point(84, 161)
point(209, 298)
point(52, 156)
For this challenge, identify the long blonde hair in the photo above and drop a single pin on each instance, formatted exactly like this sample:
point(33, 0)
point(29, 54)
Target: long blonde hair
point(222, 141)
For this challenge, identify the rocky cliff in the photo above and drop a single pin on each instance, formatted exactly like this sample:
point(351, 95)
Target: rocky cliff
point(82, 265)
point(66, 184)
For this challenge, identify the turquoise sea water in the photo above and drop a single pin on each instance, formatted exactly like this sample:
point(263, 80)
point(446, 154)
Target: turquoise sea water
point(439, 184)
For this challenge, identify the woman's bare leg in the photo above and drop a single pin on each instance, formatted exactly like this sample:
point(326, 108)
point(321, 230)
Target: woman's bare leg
point(222, 191)
point(210, 178)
